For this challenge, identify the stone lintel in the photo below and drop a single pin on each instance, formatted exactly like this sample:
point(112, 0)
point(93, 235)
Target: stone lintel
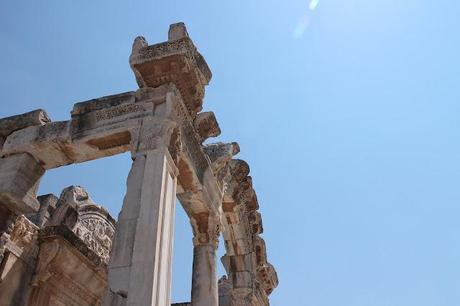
point(98, 128)
point(118, 123)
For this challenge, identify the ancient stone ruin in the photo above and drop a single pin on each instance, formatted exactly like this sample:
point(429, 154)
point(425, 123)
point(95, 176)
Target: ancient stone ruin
point(68, 250)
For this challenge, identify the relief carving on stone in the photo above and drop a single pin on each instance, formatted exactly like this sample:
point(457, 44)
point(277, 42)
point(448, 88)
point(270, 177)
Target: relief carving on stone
point(24, 232)
point(96, 232)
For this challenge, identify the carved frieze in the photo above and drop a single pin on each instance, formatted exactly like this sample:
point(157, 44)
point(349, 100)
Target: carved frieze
point(95, 230)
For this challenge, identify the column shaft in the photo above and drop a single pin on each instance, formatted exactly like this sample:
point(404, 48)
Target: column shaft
point(204, 276)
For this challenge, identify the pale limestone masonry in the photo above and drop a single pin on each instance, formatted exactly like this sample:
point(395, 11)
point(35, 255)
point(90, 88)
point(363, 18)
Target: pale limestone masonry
point(70, 251)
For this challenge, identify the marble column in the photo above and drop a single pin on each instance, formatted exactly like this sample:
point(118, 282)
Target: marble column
point(140, 265)
point(204, 274)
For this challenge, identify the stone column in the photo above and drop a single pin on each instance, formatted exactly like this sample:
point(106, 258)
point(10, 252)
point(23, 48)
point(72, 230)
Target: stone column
point(204, 274)
point(140, 263)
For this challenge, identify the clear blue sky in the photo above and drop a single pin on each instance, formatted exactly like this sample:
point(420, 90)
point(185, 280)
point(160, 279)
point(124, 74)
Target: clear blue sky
point(347, 111)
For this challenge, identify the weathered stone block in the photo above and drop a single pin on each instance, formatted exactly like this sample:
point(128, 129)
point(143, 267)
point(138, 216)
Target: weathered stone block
point(206, 125)
point(68, 272)
point(18, 254)
point(18, 122)
point(175, 61)
point(47, 205)
point(92, 105)
point(177, 31)
point(48, 143)
point(241, 262)
point(242, 279)
point(19, 176)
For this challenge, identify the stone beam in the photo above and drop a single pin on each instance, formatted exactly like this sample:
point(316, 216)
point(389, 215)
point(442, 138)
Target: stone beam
point(98, 128)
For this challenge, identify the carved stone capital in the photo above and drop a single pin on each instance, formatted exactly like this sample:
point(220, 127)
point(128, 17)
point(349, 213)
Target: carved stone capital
point(155, 134)
point(24, 232)
point(206, 230)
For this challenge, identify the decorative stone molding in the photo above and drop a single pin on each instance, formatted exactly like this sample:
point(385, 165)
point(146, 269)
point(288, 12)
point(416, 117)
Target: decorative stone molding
point(96, 230)
point(24, 232)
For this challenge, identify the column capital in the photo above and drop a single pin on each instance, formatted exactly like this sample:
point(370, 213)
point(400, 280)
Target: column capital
point(206, 229)
point(158, 135)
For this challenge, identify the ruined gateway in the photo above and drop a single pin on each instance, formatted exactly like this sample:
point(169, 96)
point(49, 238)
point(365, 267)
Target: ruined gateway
point(68, 250)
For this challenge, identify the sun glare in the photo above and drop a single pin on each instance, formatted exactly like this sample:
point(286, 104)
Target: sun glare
point(301, 26)
point(313, 4)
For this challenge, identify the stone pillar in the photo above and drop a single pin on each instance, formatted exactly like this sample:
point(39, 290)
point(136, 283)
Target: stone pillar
point(204, 274)
point(140, 263)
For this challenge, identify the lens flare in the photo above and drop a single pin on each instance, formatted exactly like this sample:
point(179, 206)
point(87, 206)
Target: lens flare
point(300, 28)
point(313, 4)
